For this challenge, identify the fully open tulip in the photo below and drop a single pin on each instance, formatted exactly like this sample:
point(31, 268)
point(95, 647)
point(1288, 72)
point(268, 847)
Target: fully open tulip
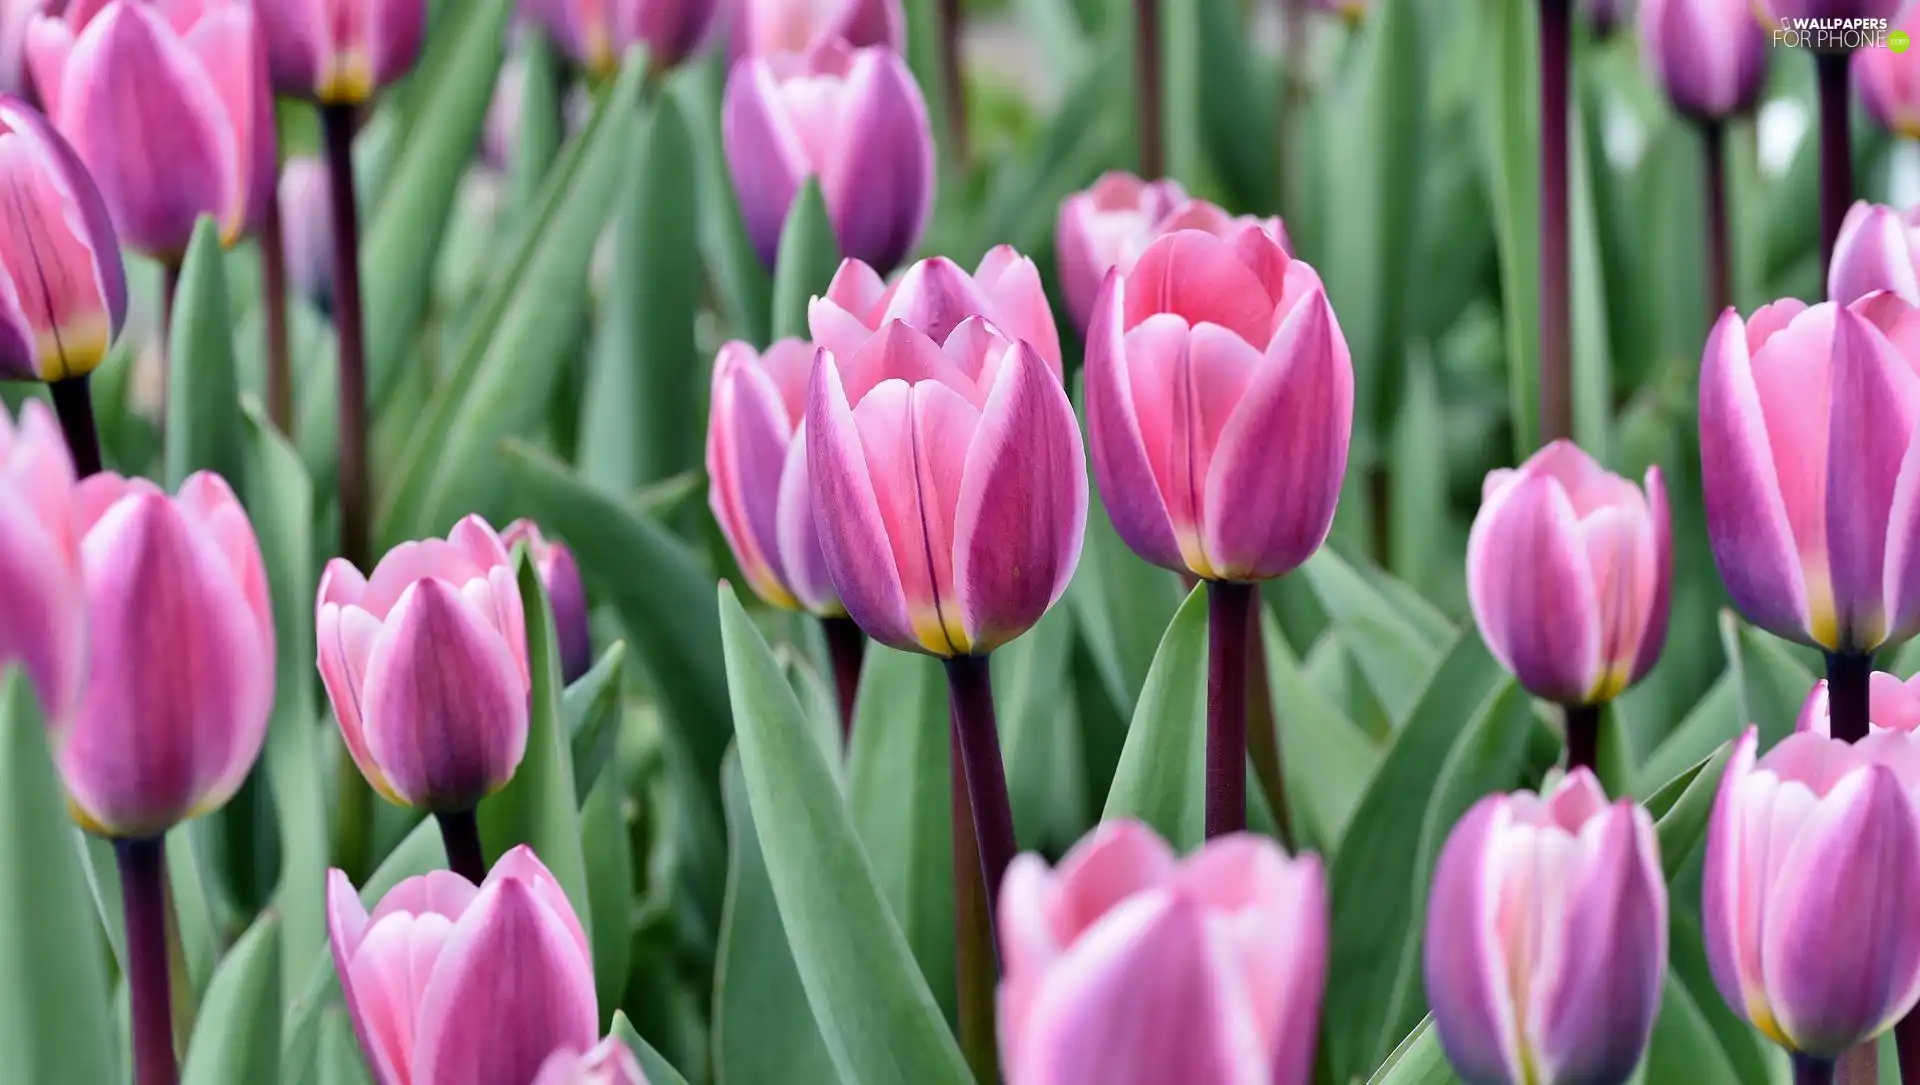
point(338, 52)
point(180, 663)
point(1219, 405)
point(1876, 250)
point(854, 119)
point(612, 1063)
point(764, 27)
point(935, 296)
point(40, 587)
point(1710, 56)
point(426, 665)
point(597, 33)
point(757, 473)
point(1547, 938)
point(169, 107)
point(1893, 705)
point(565, 593)
point(1813, 818)
point(63, 291)
point(449, 983)
point(1128, 966)
point(1569, 568)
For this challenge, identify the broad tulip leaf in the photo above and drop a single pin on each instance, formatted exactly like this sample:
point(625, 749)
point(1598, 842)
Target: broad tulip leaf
point(1419, 1060)
point(1683, 1046)
point(1395, 653)
point(1687, 954)
point(1509, 123)
point(1325, 758)
point(590, 714)
point(607, 849)
point(1683, 821)
point(657, 1069)
point(809, 255)
point(1236, 115)
point(1711, 722)
point(541, 127)
point(237, 1038)
point(1773, 684)
point(1418, 479)
point(740, 279)
point(1120, 603)
point(1044, 776)
point(340, 1060)
point(1162, 775)
point(203, 400)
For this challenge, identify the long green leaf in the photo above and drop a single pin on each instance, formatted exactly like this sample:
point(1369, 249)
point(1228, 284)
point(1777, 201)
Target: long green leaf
point(1419, 1060)
point(1325, 758)
point(1036, 712)
point(1393, 651)
point(657, 1069)
point(607, 846)
point(1162, 775)
point(741, 281)
point(590, 714)
point(237, 1038)
point(203, 399)
point(809, 255)
point(1510, 123)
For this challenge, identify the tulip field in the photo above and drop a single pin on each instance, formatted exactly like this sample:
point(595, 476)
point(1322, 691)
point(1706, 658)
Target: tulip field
point(959, 542)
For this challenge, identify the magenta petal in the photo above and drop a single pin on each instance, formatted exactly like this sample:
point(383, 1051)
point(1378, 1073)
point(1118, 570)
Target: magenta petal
point(1725, 881)
point(1874, 410)
point(1654, 636)
point(763, 155)
point(1532, 591)
point(44, 603)
point(1902, 583)
point(798, 534)
point(854, 538)
point(1121, 466)
point(1871, 254)
point(1472, 1005)
point(346, 927)
point(880, 187)
point(748, 435)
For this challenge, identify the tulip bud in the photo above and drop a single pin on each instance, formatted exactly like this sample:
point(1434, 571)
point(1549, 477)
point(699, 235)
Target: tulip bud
point(306, 224)
point(1710, 56)
point(1813, 823)
point(1875, 250)
point(1546, 938)
point(339, 52)
point(180, 663)
point(65, 291)
point(426, 665)
point(448, 981)
point(40, 587)
point(560, 574)
point(1127, 966)
point(1889, 84)
point(757, 474)
point(1811, 478)
point(170, 110)
point(1569, 568)
point(1226, 351)
point(1892, 705)
point(595, 34)
point(934, 297)
point(766, 27)
point(853, 118)
point(612, 1063)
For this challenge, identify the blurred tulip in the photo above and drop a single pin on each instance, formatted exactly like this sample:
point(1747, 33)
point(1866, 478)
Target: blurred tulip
point(14, 17)
point(1569, 569)
point(1127, 966)
point(757, 474)
point(306, 221)
point(1219, 405)
point(597, 33)
point(1876, 250)
point(766, 27)
point(565, 593)
point(426, 665)
point(609, 1064)
point(935, 297)
point(451, 982)
point(169, 107)
point(1814, 823)
point(180, 663)
point(1710, 56)
point(63, 291)
point(1893, 705)
point(1546, 940)
point(41, 592)
point(855, 119)
point(1772, 11)
point(339, 52)
point(1889, 83)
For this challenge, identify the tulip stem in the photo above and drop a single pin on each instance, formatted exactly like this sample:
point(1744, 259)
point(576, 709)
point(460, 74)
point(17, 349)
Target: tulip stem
point(1556, 349)
point(1719, 287)
point(1583, 737)
point(1229, 607)
point(970, 705)
point(143, 872)
point(846, 646)
point(1812, 1070)
point(73, 403)
point(973, 949)
point(169, 294)
point(355, 514)
point(1836, 150)
point(1848, 679)
point(1906, 1043)
point(273, 284)
point(1146, 80)
point(460, 832)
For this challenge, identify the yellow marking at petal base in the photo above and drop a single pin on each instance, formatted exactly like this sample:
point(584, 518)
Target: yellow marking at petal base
point(347, 81)
point(73, 351)
point(938, 634)
point(602, 61)
point(1195, 554)
point(1611, 683)
point(1762, 1017)
point(85, 820)
point(768, 587)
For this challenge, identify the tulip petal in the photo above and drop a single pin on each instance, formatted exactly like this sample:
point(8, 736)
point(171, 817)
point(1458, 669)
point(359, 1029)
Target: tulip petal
point(347, 923)
point(934, 297)
point(1123, 468)
point(1115, 861)
point(1875, 405)
point(1532, 589)
point(747, 443)
point(879, 186)
point(1727, 889)
point(1020, 308)
point(42, 597)
point(853, 532)
point(798, 535)
point(437, 892)
point(1201, 279)
point(391, 970)
point(1653, 634)
point(1870, 254)
point(521, 863)
point(227, 42)
point(764, 155)
point(1473, 1006)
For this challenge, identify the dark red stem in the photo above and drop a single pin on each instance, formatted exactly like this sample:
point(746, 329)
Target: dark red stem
point(846, 646)
point(143, 873)
point(1146, 81)
point(273, 284)
point(970, 705)
point(73, 404)
point(1556, 348)
point(460, 833)
point(1229, 607)
point(1836, 149)
point(1848, 675)
point(1583, 737)
point(355, 498)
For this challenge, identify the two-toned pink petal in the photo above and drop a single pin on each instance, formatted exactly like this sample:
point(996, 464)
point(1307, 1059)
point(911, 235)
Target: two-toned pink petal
point(748, 437)
point(879, 188)
point(1473, 1007)
point(1653, 633)
point(764, 154)
point(1118, 436)
point(1872, 253)
point(1875, 405)
point(1531, 587)
point(854, 537)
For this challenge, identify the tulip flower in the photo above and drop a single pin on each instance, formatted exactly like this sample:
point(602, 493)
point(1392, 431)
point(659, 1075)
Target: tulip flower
point(561, 576)
point(612, 1063)
point(63, 292)
point(40, 587)
point(426, 665)
point(306, 218)
point(935, 296)
point(450, 982)
point(339, 52)
point(1894, 706)
point(1710, 56)
point(595, 34)
point(14, 16)
point(1772, 11)
point(1127, 966)
point(766, 27)
point(1813, 823)
point(1546, 939)
point(854, 119)
point(1569, 569)
point(170, 109)
point(1876, 250)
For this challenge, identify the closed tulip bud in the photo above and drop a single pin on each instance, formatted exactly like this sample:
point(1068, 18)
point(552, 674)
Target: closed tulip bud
point(180, 663)
point(1814, 818)
point(852, 118)
point(1892, 705)
point(339, 52)
point(1219, 405)
point(560, 574)
point(935, 297)
point(1127, 966)
point(757, 474)
point(449, 982)
point(1569, 569)
point(40, 587)
point(766, 27)
point(1547, 938)
point(1710, 56)
point(426, 665)
point(169, 107)
point(64, 291)
point(1875, 250)
point(306, 223)
point(595, 34)
point(612, 1063)
point(1810, 473)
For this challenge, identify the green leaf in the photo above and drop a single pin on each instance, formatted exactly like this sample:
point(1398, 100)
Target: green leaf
point(740, 280)
point(203, 399)
point(1710, 723)
point(657, 1069)
point(1687, 953)
point(237, 1039)
point(1396, 654)
point(541, 125)
point(340, 1061)
point(809, 256)
point(1511, 123)
point(1120, 602)
point(880, 1022)
point(53, 1005)
point(1162, 775)
point(1045, 779)
point(1773, 684)
point(1237, 119)
point(1325, 758)
point(607, 848)
point(590, 709)
point(1683, 1047)
point(1683, 817)
point(1419, 477)
point(1419, 1060)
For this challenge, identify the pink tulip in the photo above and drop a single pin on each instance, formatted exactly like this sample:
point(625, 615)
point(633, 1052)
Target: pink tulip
point(180, 663)
point(63, 291)
point(168, 105)
point(1814, 818)
point(1889, 83)
point(426, 665)
point(565, 593)
point(450, 983)
point(597, 33)
point(1219, 405)
point(766, 27)
point(1569, 569)
point(1811, 478)
point(41, 592)
point(1893, 705)
point(854, 119)
point(14, 16)
point(1878, 249)
point(1546, 937)
point(306, 223)
point(612, 1063)
point(1710, 56)
point(757, 474)
point(1127, 966)
point(339, 52)
point(934, 297)
point(1772, 11)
